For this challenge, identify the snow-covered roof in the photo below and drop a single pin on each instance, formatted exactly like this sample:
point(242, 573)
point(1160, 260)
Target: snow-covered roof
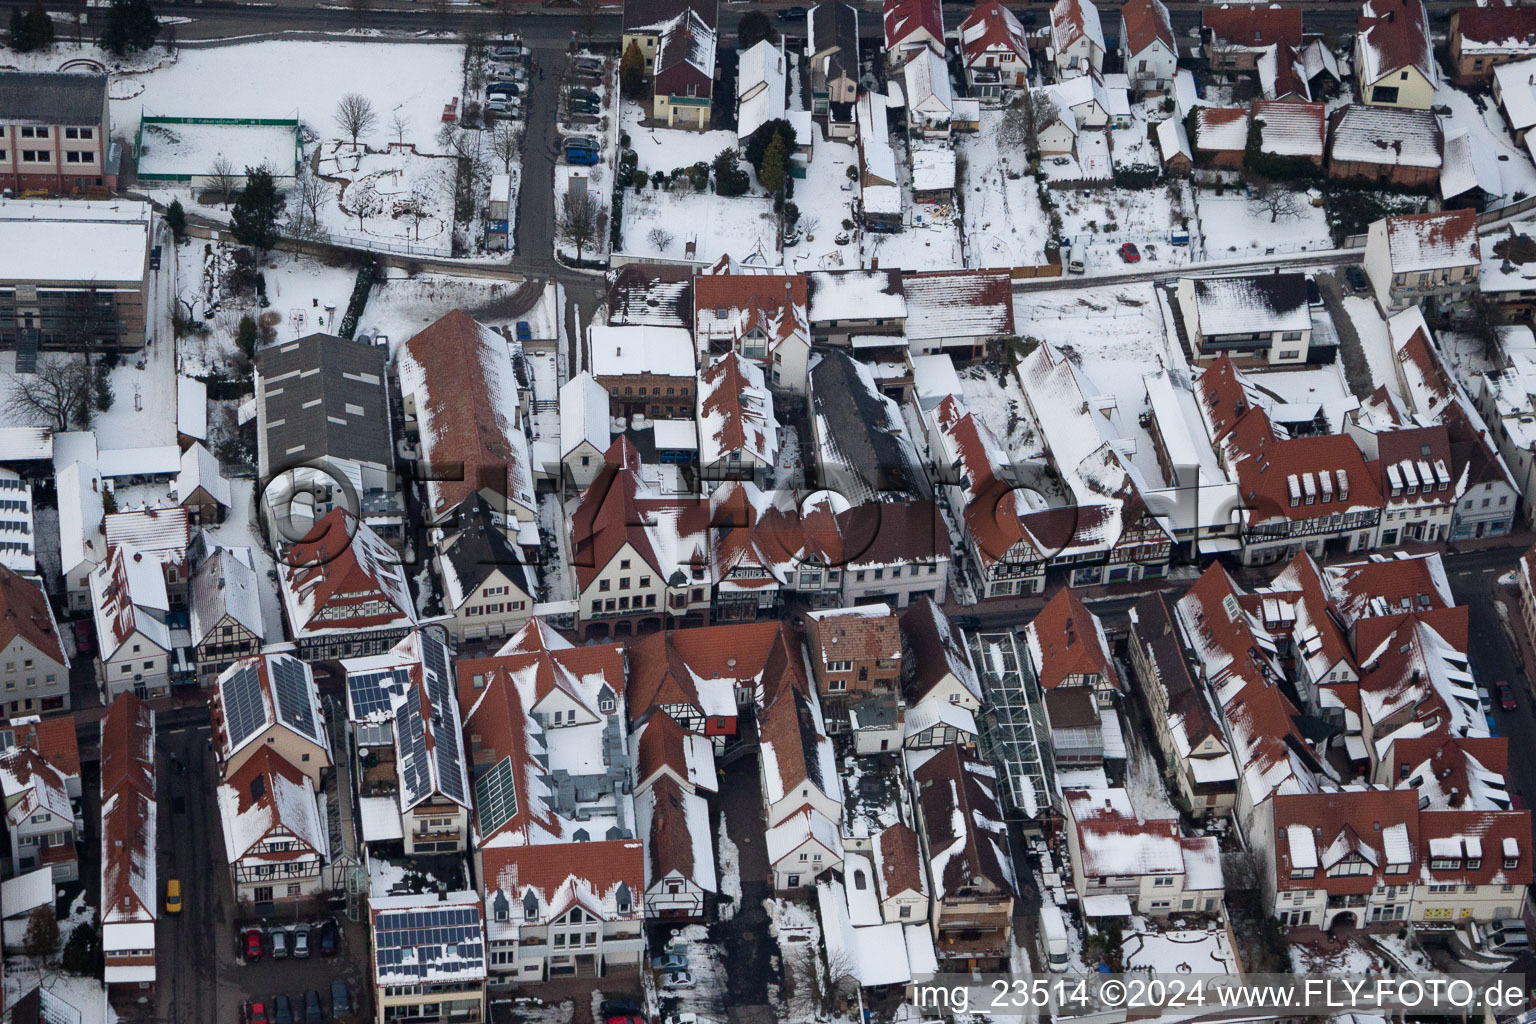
point(992, 27)
point(103, 243)
point(1267, 302)
point(429, 754)
point(913, 21)
point(876, 953)
point(224, 583)
point(1173, 139)
point(877, 158)
point(798, 829)
point(381, 819)
point(346, 571)
point(735, 412)
point(584, 414)
point(25, 444)
point(1433, 241)
point(961, 303)
point(1291, 128)
point(1219, 129)
point(1393, 34)
point(191, 407)
point(760, 85)
point(856, 295)
point(129, 891)
point(265, 692)
point(128, 595)
point(933, 170)
point(267, 796)
point(1072, 20)
point(1390, 136)
point(1469, 164)
point(635, 349)
point(1516, 86)
point(1496, 29)
point(929, 97)
point(1146, 23)
point(459, 375)
point(199, 468)
point(427, 938)
point(23, 894)
point(151, 460)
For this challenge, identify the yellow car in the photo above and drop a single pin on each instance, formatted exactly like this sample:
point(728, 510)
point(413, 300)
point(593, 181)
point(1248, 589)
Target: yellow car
point(173, 896)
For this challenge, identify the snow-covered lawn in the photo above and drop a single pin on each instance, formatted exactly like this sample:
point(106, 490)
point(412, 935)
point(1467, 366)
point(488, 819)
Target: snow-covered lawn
point(88, 996)
point(1133, 146)
point(400, 306)
point(666, 149)
point(825, 198)
point(287, 78)
point(397, 196)
point(1167, 954)
point(928, 242)
point(661, 224)
point(1004, 223)
point(1103, 219)
point(1234, 226)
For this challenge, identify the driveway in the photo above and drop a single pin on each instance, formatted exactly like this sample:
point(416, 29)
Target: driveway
point(744, 940)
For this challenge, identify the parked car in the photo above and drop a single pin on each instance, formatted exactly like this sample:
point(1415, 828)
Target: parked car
point(256, 1013)
point(1129, 253)
point(619, 1006)
point(1314, 294)
point(282, 1010)
point(1485, 700)
point(502, 90)
point(625, 1018)
point(173, 896)
point(301, 941)
point(1356, 279)
point(578, 93)
point(1506, 696)
point(678, 979)
point(581, 150)
point(1508, 935)
point(669, 962)
point(313, 1014)
point(341, 998)
point(330, 937)
point(84, 644)
point(791, 13)
point(510, 51)
point(508, 107)
point(279, 937)
point(524, 331)
point(251, 944)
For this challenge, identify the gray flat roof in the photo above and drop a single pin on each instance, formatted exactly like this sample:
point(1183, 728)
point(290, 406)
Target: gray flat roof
point(52, 97)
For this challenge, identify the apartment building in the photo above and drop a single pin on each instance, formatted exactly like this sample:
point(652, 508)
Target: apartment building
point(55, 133)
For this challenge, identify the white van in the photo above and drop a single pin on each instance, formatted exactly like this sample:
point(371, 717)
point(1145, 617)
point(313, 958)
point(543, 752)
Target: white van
point(1053, 939)
point(1077, 256)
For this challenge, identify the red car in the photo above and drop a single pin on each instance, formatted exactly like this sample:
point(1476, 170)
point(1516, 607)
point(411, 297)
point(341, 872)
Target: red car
point(1129, 253)
point(258, 1013)
point(83, 643)
point(625, 1019)
point(251, 942)
point(1506, 697)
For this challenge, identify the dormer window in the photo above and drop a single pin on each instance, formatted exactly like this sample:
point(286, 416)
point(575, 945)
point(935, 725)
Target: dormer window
point(621, 898)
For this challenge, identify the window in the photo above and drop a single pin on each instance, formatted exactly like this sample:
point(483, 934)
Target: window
point(805, 856)
point(34, 133)
point(1384, 94)
point(1162, 883)
point(34, 156)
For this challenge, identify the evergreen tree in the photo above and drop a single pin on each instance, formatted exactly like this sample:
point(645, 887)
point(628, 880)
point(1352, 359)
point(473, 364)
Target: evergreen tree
point(176, 218)
point(257, 211)
point(775, 163)
point(21, 36)
point(632, 71)
point(131, 25)
point(41, 26)
point(245, 336)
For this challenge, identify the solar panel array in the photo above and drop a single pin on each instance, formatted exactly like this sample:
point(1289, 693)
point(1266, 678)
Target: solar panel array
point(434, 658)
point(450, 765)
point(412, 738)
point(496, 796)
point(291, 684)
point(377, 690)
point(429, 937)
point(245, 712)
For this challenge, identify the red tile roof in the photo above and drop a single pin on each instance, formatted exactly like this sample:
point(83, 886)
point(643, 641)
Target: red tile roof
point(1255, 27)
point(1147, 22)
point(991, 26)
point(904, 18)
point(562, 874)
point(1068, 637)
point(25, 613)
point(664, 667)
point(899, 861)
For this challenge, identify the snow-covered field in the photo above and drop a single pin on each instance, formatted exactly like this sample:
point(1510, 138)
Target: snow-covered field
point(195, 148)
point(397, 196)
point(665, 149)
point(661, 224)
point(1004, 223)
point(933, 244)
point(825, 198)
point(287, 78)
point(1234, 226)
point(1104, 219)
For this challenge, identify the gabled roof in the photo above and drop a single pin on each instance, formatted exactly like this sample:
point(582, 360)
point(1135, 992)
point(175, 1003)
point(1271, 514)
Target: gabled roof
point(560, 876)
point(899, 862)
point(1252, 28)
point(1496, 28)
point(1383, 585)
point(736, 412)
point(129, 892)
point(1290, 128)
point(459, 374)
point(1393, 35)
point(429, 752)
point(584, 414)
point(867, 450)
point(26, 613)
point(478, 549)
point(795, 748)
point(1385, 136)
point(265, 692)
point(51, 97)
point(1072, 20)
point(991, 26)
point(128, 595)
point(760, 86)
point(934, 650)
point(224, 584)
point(673, 824)
point(1221, 129)
point(265, 797)
point(907, 20)
point(833, 29)
point(966, 838)
point(688, 41)
point(200, 469)
point(650, 16)
point(660, 744)
point(1433, 241)
point(30, 784)
point(54, 738)
point(1066, 639)
point(342, 568)
point(1147, 23)
point(958, 303)
point(702, 667)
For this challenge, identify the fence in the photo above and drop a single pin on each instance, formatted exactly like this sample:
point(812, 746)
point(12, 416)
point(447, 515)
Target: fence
point(1026, 273)
point(371, 244)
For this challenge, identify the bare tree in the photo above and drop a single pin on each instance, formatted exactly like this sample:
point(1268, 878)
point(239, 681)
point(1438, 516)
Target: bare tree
point(578, 220)
point(1030, 113)
point(660, 237)
point(222, 176)
point(1278, 201)
point(359, 10)
point(398, 124)
point(474, 61)
point(505, 145)
point(310, 192)
point(366, 201)
point(416, 205)
point(60, 393)
point(354, 115)
point(842, 978)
